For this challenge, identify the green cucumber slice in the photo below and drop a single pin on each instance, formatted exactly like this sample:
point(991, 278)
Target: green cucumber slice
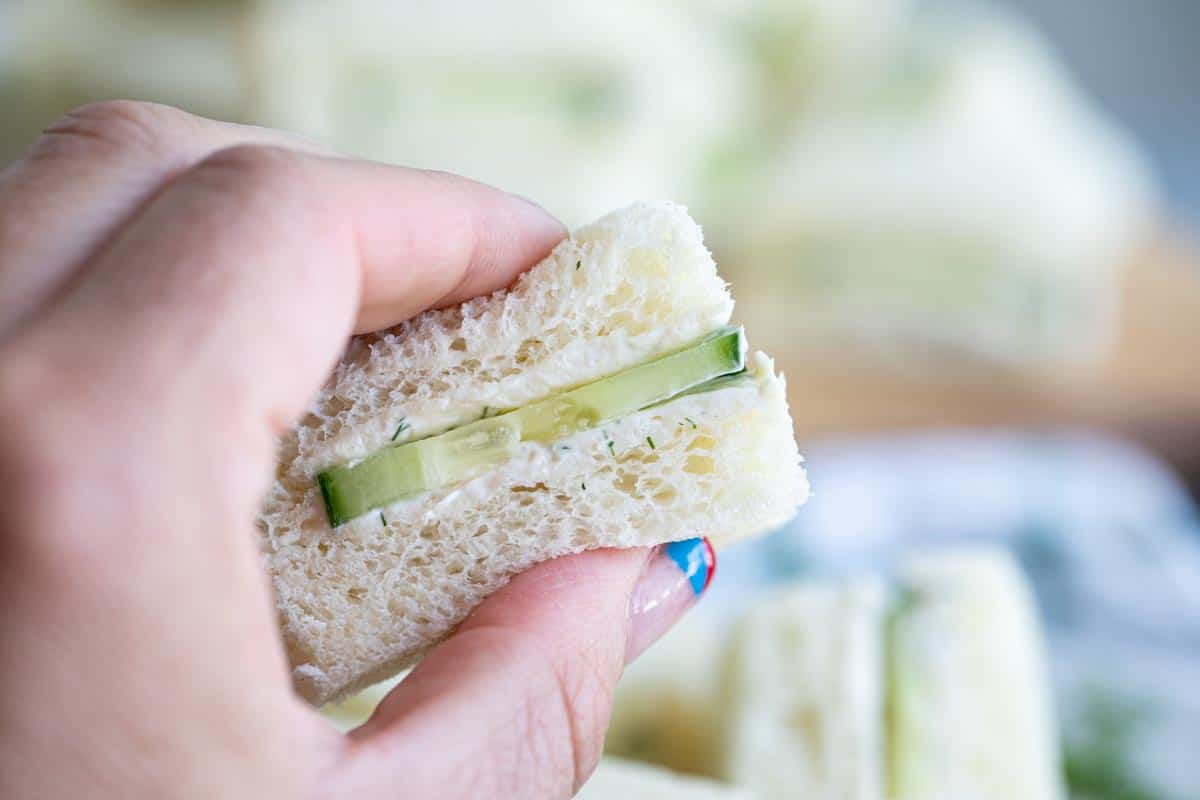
point(414, 467)
point(458, 455)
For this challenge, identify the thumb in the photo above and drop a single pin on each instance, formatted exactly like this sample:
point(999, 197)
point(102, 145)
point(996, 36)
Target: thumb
point(516, 702)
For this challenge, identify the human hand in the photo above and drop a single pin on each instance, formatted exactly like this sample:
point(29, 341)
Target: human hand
point(173, 291)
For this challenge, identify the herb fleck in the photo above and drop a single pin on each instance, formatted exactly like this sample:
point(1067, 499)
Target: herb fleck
point(650, 441)
point(1098, 758)
point(383, 519)
point(611, 452)
point(692, 421)
point(583, 486)
point(401, 428)
point(486, 409)
point(578, 264)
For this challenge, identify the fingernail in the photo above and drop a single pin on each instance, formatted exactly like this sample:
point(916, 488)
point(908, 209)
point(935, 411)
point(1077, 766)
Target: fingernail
point(675, 577)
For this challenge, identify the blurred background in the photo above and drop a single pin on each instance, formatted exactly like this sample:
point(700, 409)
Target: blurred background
point(962, 229)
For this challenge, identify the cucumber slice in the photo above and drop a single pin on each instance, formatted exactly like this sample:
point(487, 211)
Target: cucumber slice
point(458, 455)
point(414, 467)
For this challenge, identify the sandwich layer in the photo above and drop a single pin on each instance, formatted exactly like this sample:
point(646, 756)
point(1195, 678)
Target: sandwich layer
point(970, 713)
point(804, 694)
point(359, 603)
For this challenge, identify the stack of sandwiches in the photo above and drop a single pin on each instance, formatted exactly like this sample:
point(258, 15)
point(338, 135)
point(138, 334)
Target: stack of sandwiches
point(927, 685)
point(582, 106)
point(864, 168)
point(900, 225)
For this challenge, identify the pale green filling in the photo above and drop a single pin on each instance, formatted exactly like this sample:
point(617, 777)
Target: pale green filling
point(411, 468)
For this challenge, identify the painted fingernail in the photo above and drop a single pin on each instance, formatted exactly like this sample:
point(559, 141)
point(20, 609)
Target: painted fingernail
point(675, 577)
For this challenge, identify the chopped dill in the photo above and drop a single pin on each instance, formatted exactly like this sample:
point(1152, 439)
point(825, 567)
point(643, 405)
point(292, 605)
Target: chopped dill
point(650, 441)
point(578, 264)
point(583, 486)
point(401, 428)
point(383, 519)
point(611, 452)
point(692, 421)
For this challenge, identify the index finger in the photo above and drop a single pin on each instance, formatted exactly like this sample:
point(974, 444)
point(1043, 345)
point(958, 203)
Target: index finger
point(270, 257)
point(86, 176)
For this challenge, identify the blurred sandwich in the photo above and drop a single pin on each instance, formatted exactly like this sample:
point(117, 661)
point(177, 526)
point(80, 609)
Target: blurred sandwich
point(582, 106)
point(973, 209)
point(969, 713)
point(601, 401)
point(804, 693)
point(928, 685)
point(59, 54)
point(934, 688)
point(666, 712)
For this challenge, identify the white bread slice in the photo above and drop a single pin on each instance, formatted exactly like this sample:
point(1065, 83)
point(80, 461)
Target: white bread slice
point(971, 710)
point(615, 779)
point(804, 694)
point(360, 603)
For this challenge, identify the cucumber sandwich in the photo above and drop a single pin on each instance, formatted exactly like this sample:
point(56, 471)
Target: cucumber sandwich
point(931, 687)
point(929, 684)
point(602, 400)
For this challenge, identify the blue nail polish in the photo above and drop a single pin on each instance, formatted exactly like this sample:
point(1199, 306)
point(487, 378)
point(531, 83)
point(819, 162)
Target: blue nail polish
point(696, 559)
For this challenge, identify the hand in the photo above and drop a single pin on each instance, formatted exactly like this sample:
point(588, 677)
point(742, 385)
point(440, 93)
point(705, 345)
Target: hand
point(173, 291)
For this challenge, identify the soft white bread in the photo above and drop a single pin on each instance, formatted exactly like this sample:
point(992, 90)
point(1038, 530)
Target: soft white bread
point(615, 779)
point(360, 603)
point(971, 711)
point(804, 694)
point(930, 686)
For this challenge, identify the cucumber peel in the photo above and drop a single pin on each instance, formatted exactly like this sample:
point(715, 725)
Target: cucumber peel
point(410, 468)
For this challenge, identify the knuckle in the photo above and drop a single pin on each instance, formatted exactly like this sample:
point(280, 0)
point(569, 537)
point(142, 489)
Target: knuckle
point(254, 172)
point(560, 721)
point(112, 128)
point(586, 692)
point(52, 454)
